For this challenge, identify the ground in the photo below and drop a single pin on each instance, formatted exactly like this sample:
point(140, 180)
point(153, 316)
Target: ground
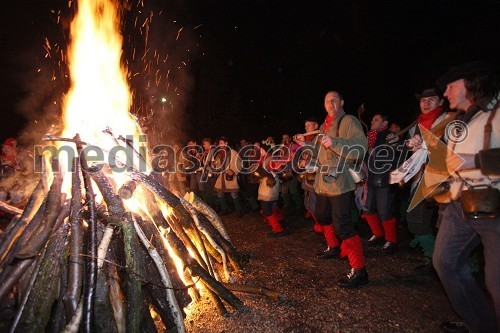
point(395, 300)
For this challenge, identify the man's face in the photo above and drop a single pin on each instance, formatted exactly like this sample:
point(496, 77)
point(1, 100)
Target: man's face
point(285, 139)
point(428, 104)
point(222, 143)
point(333, 103)
point(206, 145)
point(378, 122)
point(311, 126)
point(457, 95)
point(395, 128)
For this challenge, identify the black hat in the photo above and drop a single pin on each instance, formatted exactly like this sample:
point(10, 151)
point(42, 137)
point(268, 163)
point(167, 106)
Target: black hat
point(427, 93)
point(468, 69)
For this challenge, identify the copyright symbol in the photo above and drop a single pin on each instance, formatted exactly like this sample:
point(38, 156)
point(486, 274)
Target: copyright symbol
point(456, 131)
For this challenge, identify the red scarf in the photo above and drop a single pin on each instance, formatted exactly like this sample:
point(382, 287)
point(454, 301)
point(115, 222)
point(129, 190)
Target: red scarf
point(372, 136)
point(426, 119)
point(328, 122)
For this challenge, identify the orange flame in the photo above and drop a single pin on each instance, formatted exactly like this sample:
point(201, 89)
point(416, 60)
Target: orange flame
point(99, 96)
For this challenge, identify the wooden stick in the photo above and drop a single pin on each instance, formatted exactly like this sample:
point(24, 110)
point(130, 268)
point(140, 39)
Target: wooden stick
point(256, 290)
point(174, 306)
point(10, 209)
point(90, 242)
point(75, 261)
point(45, 291)
point(40, 235)
point(26, 294)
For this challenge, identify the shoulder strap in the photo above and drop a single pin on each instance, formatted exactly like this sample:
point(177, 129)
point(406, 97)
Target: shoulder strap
point(488, 128)
point(338, 125)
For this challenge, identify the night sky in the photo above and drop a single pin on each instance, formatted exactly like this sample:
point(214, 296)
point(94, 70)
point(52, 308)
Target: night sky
point(253, 68)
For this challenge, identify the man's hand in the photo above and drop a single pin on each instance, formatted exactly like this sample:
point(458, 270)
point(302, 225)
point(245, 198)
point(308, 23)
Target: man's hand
point(327, 141)
point(457, 162)
point(415, 143)
point(391, 138)
point(299, 139)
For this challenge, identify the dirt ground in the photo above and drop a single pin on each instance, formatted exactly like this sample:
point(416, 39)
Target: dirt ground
point(395, 300)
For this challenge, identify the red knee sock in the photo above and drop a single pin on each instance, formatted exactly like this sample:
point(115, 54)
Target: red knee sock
point(329, 233)
point(390, 229)
point(353, 249)
point(274, 223)
point(374, 223)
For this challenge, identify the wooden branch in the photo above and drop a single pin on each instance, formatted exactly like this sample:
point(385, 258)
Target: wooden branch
point(208, 212)
point(40, 235)
point(34, 202)
point(26, 294)
point(75, 260)
point(45, 291)
point(256, 290)
point(90, 243)
point(10, 209)
point(174, 306)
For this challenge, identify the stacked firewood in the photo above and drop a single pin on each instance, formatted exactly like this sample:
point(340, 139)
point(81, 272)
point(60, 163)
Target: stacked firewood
point(97, 265)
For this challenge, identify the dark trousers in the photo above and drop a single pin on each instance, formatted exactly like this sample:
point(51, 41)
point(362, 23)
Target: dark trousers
point(380, 200)
point(336, 210)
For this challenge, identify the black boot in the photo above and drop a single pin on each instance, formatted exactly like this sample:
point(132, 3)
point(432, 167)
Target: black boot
point(454, 327)
point(356, 278)
point(329, 253)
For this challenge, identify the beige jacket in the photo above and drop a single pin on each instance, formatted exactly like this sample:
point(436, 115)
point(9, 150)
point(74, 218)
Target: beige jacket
point(235, 164)
point(351, 136)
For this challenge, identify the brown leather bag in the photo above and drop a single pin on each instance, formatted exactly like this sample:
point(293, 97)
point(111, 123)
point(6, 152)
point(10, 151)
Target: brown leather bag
point(482, 202)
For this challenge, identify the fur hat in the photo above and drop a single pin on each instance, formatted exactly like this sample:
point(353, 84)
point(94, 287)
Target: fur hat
point(469, 69)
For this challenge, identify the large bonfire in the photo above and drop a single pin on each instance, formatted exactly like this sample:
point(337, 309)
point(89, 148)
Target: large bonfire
point(103, 246)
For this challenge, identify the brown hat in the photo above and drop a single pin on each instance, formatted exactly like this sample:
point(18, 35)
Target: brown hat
point(428, 93)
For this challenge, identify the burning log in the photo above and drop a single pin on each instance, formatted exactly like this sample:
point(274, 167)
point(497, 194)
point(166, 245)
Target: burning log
point(88, 282)
point(196, 270)
point(208, 212)
point(174, 306)
point(127, 190)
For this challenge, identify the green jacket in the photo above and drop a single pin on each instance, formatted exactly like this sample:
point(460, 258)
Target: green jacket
point(351, 144)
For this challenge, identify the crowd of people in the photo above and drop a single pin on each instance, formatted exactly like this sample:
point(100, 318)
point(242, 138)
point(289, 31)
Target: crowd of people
point(336, 168)
point(337, 165)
